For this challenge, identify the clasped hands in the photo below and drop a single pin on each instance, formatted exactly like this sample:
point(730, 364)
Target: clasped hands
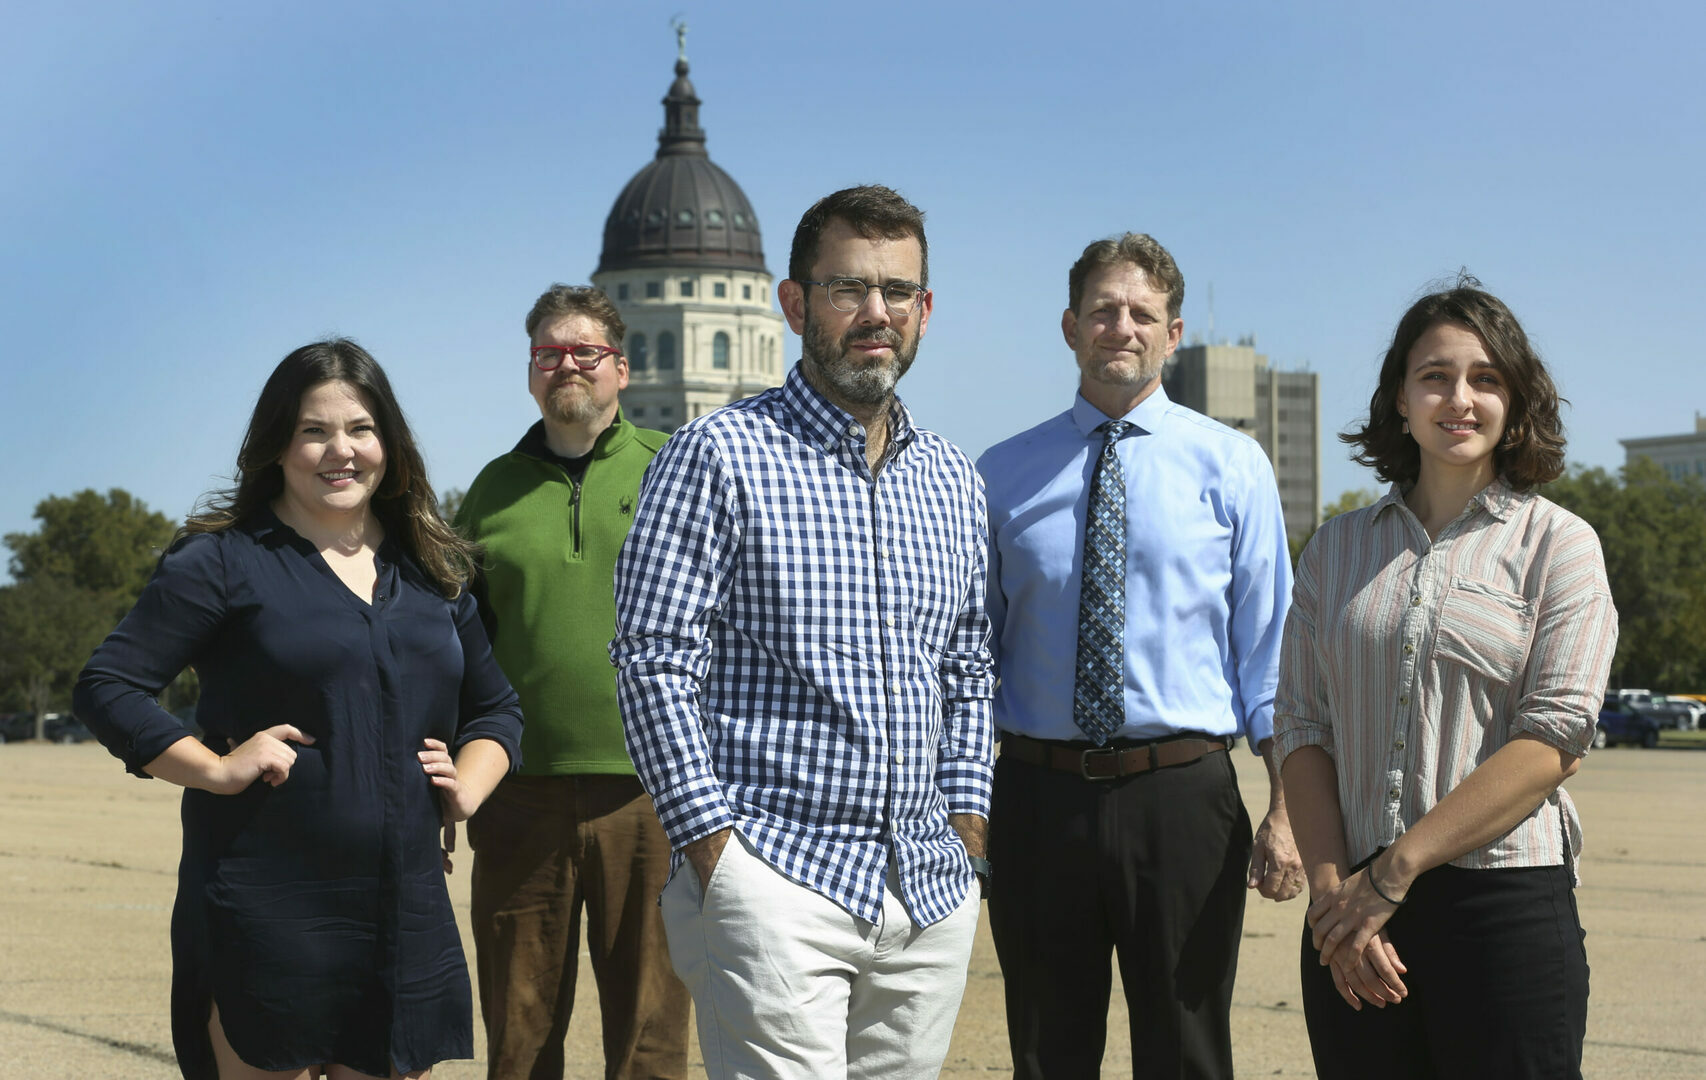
point(1347, 922)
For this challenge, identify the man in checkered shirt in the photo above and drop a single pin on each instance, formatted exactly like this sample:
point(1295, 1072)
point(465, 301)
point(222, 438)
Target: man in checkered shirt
point(805, 681)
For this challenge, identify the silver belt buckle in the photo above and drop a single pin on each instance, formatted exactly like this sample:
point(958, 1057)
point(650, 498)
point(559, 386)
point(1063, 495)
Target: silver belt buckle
point(1084, 764)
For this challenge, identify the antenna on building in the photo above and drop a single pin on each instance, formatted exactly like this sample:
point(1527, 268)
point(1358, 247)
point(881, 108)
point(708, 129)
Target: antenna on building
point(1211, 340)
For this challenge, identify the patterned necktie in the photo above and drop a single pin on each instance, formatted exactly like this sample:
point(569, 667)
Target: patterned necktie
point(1098, 690)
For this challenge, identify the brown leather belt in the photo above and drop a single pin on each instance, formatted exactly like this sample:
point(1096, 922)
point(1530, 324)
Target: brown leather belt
point(1109, 763)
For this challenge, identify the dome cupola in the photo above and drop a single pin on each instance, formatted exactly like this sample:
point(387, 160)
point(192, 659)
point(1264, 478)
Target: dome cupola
point(681, 210)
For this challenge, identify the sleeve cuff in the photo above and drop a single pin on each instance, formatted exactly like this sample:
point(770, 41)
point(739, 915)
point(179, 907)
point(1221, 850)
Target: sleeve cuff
point(692, 811)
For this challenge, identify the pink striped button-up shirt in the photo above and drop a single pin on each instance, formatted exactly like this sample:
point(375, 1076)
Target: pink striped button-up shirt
point(1411, 661)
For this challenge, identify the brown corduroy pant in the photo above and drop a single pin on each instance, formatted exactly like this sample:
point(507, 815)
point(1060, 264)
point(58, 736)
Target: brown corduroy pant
point(545, 848)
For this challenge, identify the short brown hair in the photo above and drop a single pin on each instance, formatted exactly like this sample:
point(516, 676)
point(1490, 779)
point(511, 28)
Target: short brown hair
point(560, 300)
point(871, 210)
point(1140, 250)
point(1531, 451)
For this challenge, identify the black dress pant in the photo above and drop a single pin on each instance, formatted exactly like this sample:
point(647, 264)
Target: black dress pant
point(1152, 866)
point(1498, 981)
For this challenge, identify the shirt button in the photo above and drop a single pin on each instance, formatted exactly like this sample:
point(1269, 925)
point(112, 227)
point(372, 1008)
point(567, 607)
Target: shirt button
point(1416, 600)
point(1408, 648)
point(1393, 794)
point(900, 759)
point(888, 620)
point(1398, 745)
point(1403, 699)
point(894, 687)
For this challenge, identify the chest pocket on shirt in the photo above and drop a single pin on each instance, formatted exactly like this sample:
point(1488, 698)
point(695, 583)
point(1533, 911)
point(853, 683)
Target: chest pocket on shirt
point(937, 590)
point(1485, 629)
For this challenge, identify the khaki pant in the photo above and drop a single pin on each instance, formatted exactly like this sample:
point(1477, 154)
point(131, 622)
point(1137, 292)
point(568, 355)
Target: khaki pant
point(789, 986)
point(544, 847)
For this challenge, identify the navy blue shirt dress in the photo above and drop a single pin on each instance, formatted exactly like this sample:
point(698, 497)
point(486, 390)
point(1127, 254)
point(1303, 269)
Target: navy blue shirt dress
point(314, 913)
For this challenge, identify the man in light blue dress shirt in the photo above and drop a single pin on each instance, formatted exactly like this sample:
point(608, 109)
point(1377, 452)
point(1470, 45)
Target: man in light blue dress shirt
point(1138, 842)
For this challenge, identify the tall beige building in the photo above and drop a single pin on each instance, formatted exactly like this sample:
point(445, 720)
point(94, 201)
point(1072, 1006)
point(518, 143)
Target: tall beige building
point(1281, 410)
point(683, 260)
point(1680, 456)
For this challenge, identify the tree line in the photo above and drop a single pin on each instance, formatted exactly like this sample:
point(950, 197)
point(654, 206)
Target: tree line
point(90, 555)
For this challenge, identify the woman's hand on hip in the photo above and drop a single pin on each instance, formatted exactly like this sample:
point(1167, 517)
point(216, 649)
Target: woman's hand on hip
point(265, 755)
point(459, 802)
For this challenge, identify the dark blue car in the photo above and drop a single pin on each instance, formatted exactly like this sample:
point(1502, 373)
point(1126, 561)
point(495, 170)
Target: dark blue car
point(1623, 723)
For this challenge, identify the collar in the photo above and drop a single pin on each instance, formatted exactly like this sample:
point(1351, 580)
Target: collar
point(267, 527)
point(826, 423)
point(610, 440)
point(1498, 499)
point(1147, 415)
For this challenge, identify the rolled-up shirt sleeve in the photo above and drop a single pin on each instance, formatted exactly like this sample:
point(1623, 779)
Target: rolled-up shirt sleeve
point(671, 577)
point(1574, 640)
point(1301, 716)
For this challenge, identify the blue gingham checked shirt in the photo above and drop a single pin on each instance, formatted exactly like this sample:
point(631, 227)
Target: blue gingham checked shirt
point(801, 648)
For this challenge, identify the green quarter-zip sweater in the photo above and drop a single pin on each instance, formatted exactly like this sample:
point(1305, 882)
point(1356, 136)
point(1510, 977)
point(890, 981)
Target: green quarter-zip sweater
point(546, 591)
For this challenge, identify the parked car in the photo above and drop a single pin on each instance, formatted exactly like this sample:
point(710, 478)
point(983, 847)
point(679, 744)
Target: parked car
point(65, 728)
point(1682, 713)
point(1620, 722)
point(17, 726)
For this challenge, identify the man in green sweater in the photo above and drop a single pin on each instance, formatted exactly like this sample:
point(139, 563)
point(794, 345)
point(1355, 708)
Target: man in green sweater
point(573, 828)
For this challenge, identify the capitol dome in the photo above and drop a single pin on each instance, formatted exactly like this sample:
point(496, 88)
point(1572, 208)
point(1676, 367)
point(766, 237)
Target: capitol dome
point(681, 210)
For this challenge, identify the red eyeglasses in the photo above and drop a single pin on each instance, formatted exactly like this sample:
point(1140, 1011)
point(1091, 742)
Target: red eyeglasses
point(586, 357)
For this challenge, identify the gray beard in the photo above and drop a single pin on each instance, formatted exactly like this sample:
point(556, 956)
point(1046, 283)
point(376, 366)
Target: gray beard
point(858, 384)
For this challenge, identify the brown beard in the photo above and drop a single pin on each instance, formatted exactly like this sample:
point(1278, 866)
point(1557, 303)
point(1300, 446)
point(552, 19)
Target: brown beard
point(572, 403)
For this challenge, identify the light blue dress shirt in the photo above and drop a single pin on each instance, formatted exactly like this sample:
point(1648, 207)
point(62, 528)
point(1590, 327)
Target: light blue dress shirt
point(1208, 575)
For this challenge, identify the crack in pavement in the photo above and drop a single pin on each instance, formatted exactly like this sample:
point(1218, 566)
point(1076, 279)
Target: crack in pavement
point(1682, 1050)
point(103, 864)
point(137, 1049)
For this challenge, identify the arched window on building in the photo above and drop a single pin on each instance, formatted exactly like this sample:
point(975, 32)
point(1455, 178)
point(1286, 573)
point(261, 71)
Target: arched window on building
point(720, 351)
point(666, 350)
point(637, 352)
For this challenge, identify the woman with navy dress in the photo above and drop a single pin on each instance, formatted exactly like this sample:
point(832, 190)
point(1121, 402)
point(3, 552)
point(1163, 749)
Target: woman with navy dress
point(351, 708)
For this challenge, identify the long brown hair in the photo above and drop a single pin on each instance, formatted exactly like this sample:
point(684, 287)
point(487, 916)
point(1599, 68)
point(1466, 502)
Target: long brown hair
point(404, 504)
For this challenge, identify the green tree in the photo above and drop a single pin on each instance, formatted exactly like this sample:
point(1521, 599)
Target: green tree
point(1652, 529)
point(450, 503)
point(75, 577)
point(107, 544)
point(1354, 499)
point(50, 627)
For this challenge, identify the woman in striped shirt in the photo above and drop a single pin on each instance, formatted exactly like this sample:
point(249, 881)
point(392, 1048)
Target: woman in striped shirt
point(1444, 661)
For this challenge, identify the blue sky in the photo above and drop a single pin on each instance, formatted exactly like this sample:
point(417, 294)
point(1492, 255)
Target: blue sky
point(189, 190)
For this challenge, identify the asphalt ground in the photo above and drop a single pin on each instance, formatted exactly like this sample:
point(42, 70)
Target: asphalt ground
point(87, 873)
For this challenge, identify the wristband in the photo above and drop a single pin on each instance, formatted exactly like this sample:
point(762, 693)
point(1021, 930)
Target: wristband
point(1378, 891)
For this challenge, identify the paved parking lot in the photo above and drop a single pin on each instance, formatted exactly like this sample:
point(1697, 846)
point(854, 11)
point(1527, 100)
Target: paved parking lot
point(88, 856)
